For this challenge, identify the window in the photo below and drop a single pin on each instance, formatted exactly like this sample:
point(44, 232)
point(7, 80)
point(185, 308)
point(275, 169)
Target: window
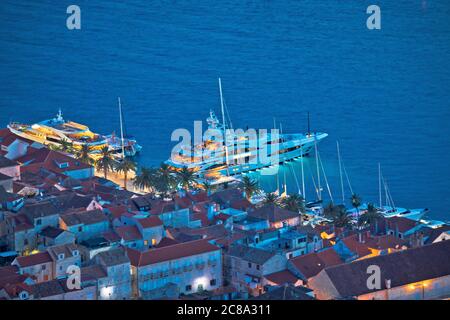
point(80, 229)
point(25, 242)
point(213, 282)
point(38, 222)
point(290, 256)
point(44, 267)
point(61, 256)
point(249, 264)
point(258, 267)
point(75, 253)
point(188, 287)
point(60, 268)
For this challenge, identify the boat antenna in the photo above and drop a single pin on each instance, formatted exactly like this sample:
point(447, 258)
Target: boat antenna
point(121, 129)
point(224, 126)
point(340, 172)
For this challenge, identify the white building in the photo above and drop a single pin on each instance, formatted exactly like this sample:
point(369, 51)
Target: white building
point(193, 266)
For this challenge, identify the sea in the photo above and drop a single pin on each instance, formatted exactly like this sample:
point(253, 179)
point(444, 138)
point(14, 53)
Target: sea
point(382, 93)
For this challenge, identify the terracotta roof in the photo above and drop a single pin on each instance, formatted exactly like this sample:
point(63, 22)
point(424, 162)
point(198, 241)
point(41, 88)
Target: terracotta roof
point(282, 277)
point(49, 159)
point(85, 217)
point(51, 232)
point(128, 233)
point(93, 272)
point(6, 163)
point(166, 242)
point(250, 254)
point(113, 257)
point(150, 222)
point(311, 264)
point(174, 252)
point(360, 248)
point(286, 292)
point(402, 268)
point(273, 213)
point(34, 259)
point(403, 224)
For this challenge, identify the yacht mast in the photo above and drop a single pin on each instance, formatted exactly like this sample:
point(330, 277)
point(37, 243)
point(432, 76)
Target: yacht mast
point(121, 129)
point(224, 126)
point(319, 191)
point(340, 172)
point(379, 184)
point(303, 173)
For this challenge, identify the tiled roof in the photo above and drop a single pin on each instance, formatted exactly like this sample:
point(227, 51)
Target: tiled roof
point(85, 217)
point(50, 159)
point(286, 292)
point(128, 233)
point(402, 268)
point(51, 232)
point(113, 257)
point(311, 264)
point(150, 222)
point(174, 252)
point(250, 254)
point(34, 259)
point(273, 213)
point(93, 272)
point(282, 277)
point(403, 224)
point(5, 162)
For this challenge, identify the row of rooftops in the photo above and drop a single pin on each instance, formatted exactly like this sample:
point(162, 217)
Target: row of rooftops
point(69, 198)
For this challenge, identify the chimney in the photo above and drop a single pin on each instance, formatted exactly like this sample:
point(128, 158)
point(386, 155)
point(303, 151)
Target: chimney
point(388, 283)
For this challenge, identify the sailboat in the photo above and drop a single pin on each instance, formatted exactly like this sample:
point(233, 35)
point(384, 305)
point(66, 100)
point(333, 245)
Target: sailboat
point(124, 146)
point(389, 209)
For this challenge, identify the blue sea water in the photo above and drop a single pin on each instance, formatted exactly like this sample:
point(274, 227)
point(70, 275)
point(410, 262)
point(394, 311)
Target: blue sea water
point(384, 94)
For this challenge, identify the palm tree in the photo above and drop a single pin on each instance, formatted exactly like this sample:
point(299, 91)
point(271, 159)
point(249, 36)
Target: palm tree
point(208, 186)
point(66, 145)
point(83, 154)
point(356, 202)
point(250, 186)
point(329, 211)
point(270, 198)
point(125, 166)
point(186, 178)
point(165, 178)
point(341, 217)
point(371, 216)
point(144, 179)
point(105, 162)
point(293, 202)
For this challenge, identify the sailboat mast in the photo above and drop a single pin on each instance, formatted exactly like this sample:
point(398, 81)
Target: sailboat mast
point(319, 191)
point(340, 172)
point(379, 184)
point(121, 129)
point(222, 108)
point(303, 174)
point(309, 129)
